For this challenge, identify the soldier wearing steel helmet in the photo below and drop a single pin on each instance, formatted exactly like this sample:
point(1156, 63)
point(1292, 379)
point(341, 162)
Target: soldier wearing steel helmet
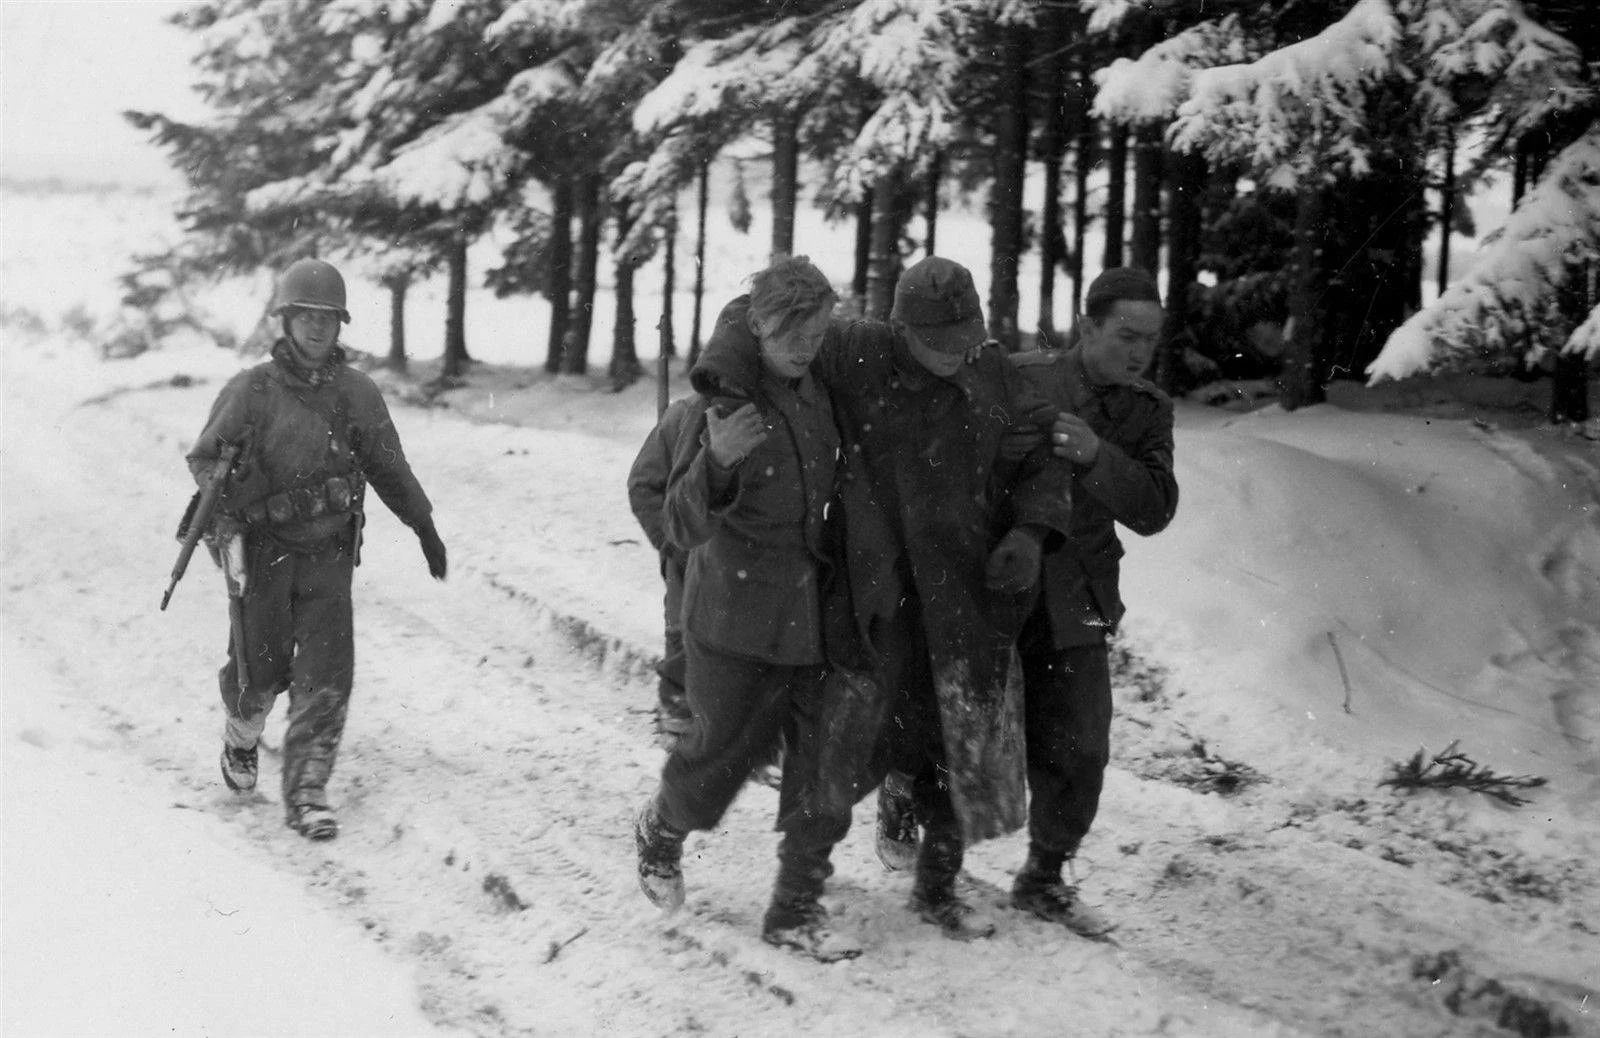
point(310, 433)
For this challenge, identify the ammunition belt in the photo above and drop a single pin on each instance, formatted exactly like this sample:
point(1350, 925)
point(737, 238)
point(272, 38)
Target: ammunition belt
point(335, 496)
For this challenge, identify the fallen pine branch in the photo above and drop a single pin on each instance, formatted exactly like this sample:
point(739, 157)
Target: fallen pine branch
point(1454, 769)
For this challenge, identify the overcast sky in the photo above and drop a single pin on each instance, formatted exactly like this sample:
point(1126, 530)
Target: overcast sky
point(68, 68)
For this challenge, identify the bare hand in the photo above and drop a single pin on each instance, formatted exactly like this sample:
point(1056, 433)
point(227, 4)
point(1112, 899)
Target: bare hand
point(734, 437)
point(1074, 440)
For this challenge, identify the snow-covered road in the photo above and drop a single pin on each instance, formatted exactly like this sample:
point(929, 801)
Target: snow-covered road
point(499, 741)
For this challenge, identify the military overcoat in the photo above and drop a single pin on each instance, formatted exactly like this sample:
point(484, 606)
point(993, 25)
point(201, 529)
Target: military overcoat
point(926, 497)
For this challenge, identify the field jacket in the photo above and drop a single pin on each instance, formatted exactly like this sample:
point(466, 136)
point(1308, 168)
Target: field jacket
point(1131, 482)
point(296, 431)
point(754, 533)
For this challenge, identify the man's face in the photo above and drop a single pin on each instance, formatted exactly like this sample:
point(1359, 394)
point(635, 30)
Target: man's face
point(938, 363)
point(314, 333)
point(1118, 347)
point(787, 354)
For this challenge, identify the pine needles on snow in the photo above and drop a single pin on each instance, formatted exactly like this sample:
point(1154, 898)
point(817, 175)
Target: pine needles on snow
point(1452, 768)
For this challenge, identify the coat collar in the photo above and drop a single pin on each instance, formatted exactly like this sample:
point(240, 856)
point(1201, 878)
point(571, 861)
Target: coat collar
point(284, 359)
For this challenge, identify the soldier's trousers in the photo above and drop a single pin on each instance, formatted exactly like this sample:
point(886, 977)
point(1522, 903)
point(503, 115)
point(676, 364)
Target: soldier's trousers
point(914, 746)
point(741, 708)
point(673, 663)
point(1068, 711)
point(299, 638)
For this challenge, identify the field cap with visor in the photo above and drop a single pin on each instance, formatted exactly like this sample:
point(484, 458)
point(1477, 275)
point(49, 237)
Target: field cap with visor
point(936, 299)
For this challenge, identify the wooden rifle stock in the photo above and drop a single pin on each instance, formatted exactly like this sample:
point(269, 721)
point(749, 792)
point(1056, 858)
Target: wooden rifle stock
point(200, 521)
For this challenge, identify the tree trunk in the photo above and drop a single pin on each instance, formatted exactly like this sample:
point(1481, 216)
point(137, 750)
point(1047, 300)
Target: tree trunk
point(1569, 379)
point(1186, 185)
point(1569, 389)
point(785, 182)
point(397, 322)
point(1304, 358)
point(575, 354)
point(930, 204)
point(455, 311)
point(624, 369)
point(1082, 161)
point(702, 199)
point(1447, 210)
point(669, 282)
point(863, 252)
point(883, 268)
point(1052, 241)
point(1005, 198)
point(1116, 194)
point(1145, 248)
point(559, 290)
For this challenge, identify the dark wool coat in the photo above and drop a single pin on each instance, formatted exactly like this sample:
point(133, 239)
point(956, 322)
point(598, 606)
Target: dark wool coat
point(754, 533)
point(927, 497)
point(647, 479)
point(297, 431)
point(1131, 482)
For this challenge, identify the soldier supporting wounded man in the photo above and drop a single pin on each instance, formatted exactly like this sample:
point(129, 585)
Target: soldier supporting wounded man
point(310, 433)
point(944, 530)
point(1115, 430)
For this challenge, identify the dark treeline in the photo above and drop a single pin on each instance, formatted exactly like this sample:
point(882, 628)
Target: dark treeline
point(1286, 167)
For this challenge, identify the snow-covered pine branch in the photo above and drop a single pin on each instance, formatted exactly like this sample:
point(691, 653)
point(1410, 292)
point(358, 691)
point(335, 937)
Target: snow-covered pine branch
point(1106, 15)
point(462, 161)
point(715, 78)
point(1489, 310)
point(907, 53)
point(1150, 88)
point(1531, 72)
point(1586, 337)
point(1289, 114)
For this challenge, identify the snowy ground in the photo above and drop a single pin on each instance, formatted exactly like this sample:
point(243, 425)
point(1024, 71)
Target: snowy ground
point(499, 740)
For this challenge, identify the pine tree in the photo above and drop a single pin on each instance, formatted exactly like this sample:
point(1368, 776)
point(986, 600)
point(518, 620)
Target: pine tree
point(1353, 107)
point(261, 69)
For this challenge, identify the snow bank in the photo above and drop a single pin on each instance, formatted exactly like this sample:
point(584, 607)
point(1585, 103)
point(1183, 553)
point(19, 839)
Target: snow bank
point(1453, 573)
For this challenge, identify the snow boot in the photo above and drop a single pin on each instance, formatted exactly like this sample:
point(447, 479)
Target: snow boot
point(933, 895)
point(313, 821)
point(801, 924)
point(660, 850)
point(239, 768)
point(1040, 891)
point(896, 840)
point(959, 920)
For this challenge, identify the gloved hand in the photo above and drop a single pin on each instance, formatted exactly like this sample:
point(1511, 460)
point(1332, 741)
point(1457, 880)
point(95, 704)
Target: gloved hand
point(432, 549)
point(1014, 564)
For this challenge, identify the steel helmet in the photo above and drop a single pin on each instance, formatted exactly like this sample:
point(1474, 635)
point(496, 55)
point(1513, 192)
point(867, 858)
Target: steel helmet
point(311, 284)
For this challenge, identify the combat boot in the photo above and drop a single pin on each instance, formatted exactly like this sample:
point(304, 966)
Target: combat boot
point(801, 923)
point(660, 850)
point(896, 840)
point(1040, 891)
point(239, 768)
point(958, 918)
point(933, 895)
point(313, 821)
